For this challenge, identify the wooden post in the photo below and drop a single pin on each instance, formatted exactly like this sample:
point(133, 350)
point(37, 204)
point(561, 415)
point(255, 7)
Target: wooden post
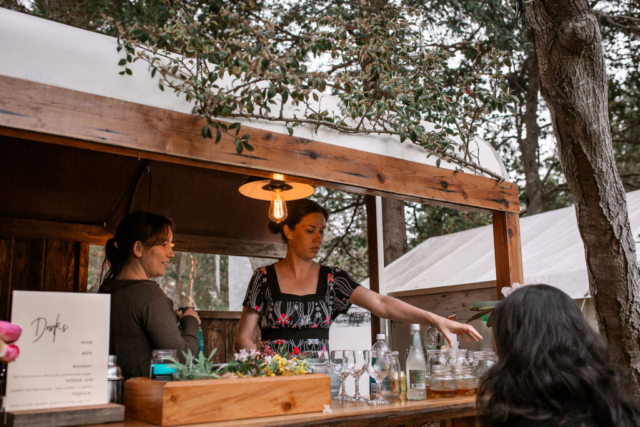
point(507, 248)
point(376, 255)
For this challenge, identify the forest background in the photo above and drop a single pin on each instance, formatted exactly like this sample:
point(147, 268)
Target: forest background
point(469, 29)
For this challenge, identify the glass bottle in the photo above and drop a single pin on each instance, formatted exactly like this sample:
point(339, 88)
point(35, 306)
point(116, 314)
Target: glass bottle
point(380, 344)
point(393, 379)
point(416, 368)
point(432, 339)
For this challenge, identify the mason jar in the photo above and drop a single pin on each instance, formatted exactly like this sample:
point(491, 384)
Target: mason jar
point(435, 357)
point(466, 381)
point(483, 361)
point(162, 367)
point(442, 383)
point(457, 357)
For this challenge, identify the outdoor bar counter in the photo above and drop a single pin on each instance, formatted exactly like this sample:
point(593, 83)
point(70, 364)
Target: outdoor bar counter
point(454, 412)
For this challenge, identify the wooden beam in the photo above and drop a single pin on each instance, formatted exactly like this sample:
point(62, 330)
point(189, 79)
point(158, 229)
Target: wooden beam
point(489, 284)
point(376, 256)
point(33, 229)
point(507, 248)
point(98, 235)
point(224, 246)
point(97, 123)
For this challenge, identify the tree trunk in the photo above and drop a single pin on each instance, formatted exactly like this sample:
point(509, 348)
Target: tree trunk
point(394, 230)
point(573, 82)
point(529, 145)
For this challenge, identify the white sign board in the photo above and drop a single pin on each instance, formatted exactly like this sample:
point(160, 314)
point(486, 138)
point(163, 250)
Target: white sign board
point(64, 350)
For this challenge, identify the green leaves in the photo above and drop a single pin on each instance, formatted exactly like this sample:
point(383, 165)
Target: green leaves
point(380, 63)
point(193, 368)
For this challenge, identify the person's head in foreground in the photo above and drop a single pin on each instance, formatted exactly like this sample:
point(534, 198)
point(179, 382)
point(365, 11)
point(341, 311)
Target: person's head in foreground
point(553, 369)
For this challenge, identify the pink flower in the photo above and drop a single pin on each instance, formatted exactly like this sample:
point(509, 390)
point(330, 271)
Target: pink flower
point(243, 355)
point(314, 326)
point(326, 321)
point(9, 332)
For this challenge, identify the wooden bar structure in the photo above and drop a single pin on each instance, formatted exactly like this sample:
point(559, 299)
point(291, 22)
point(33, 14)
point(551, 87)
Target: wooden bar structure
point(74, 163)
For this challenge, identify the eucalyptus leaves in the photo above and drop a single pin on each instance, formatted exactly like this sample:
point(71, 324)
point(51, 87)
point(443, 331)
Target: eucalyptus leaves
point(239, 61)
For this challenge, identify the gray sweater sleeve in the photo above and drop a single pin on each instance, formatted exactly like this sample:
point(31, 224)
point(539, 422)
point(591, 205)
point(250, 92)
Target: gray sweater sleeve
point(159, 321)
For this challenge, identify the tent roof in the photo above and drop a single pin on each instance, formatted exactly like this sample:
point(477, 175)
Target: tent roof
point(47, 52)
point(552, 253)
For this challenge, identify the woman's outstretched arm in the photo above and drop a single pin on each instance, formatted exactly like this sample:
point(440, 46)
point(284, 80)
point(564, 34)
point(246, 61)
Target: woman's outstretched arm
point(387, 307)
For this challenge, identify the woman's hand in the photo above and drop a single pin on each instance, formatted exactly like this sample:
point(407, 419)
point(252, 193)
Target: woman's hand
point(189, 312)
point(8, 334)
point(446, 327)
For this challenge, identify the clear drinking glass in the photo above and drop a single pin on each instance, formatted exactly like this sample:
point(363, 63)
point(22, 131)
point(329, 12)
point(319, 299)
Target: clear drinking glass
point(435, 357)
point(379, 371)
point(318, 362)
point(361, 358)
point(337, 364)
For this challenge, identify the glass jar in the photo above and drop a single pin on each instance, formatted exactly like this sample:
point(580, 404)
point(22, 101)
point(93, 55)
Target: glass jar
point(442, 383)
point(483, 361)
point(457, 357)
point(392, 383)
point(466, 381)
point(162, 367)
point(435, 357)
point(470, 357)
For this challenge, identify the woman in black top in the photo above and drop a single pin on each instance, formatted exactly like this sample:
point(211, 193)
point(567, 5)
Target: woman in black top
point(553, 370)
point(142, 316)
point(294, 301)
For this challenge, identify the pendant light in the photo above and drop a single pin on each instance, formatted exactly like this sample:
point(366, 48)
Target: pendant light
point(278, 191)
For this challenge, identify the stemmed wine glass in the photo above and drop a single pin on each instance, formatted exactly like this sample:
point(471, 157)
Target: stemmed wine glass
point(361, 360)
point(378, 367)
point(337, 362)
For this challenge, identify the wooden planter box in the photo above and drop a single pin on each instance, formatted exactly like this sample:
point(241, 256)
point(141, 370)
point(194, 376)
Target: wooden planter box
point(190, 402)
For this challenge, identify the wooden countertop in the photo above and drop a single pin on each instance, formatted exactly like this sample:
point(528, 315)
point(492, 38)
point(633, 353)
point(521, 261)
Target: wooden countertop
point(358, 414)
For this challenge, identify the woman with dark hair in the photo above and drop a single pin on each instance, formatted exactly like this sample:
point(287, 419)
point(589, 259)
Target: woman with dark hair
point(553, 369)
point(296, 299)
point(142, 316)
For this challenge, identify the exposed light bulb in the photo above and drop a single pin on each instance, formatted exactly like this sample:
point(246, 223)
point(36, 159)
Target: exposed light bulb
point(278, 208)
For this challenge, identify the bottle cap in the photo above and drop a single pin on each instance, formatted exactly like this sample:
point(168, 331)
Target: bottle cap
point(380, 336)
point(415, 327)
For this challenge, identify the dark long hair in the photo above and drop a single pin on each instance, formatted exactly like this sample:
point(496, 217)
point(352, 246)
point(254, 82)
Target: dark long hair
point(146, 227)
point(297, 209)
point(552, 366)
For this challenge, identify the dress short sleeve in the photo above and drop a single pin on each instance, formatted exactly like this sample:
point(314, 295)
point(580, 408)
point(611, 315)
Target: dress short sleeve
point(255, 297)
point(343, 286)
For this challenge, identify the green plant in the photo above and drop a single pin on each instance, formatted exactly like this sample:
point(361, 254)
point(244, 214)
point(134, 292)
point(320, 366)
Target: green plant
point(485, 308)
point(200, 368)
point(387, 72)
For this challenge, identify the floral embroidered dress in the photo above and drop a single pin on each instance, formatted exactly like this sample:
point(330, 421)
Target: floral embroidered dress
point(294, 324)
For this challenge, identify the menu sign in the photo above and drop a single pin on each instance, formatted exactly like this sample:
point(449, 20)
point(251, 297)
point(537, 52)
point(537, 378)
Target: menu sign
point(64, 350)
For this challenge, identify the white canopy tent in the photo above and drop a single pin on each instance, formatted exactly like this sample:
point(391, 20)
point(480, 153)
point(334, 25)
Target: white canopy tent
point(552, 253)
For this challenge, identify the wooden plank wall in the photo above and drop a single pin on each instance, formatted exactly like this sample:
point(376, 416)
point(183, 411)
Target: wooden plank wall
point(219, 331)
point(449, 300)
point(40, 265)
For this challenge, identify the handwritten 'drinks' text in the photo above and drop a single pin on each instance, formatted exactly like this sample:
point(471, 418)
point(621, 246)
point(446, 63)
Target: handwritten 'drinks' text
point(43, 326)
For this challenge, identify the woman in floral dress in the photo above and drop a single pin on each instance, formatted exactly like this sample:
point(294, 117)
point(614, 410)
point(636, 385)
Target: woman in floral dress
point(295, 300)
